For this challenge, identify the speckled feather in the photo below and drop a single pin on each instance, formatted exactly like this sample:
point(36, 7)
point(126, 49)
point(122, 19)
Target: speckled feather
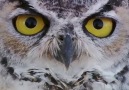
point(33, 62)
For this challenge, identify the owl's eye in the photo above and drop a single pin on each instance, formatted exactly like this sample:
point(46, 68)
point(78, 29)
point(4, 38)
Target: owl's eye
point(29, 24)
point(100, 27)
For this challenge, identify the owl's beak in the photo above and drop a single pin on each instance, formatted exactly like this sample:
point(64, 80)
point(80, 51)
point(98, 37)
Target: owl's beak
point(66, 52)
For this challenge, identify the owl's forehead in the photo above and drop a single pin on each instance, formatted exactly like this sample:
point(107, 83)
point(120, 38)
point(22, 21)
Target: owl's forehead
point(75, 4)
point(63, 7)
point(67, 4)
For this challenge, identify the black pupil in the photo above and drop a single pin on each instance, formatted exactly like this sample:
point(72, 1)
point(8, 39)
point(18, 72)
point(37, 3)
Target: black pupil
point(31, 22)
point(98, 24)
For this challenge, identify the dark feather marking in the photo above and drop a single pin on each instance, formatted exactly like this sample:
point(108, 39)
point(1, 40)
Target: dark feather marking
point(47, 69)
point(31, 80)
point(106, 8)
point(82, 77)
point(95, 78)
point(98, 78)
point(120, 76)
point(10, 70)
point(25, 5)
point(32, 73)
point(124, 71)
point(34, 79)
point(115, 2)
point(33, 69)
point(51, 87)
point(51, 78)
point(4, 61)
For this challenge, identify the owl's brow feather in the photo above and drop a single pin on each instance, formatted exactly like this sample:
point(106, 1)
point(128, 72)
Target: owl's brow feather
point(79, 2)
point(62, 6)
point(25, 5)
point(65, 3)
point(22, 4)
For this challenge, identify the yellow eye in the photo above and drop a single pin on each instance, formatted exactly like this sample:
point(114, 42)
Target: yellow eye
point(29, 24)
point(100, 27)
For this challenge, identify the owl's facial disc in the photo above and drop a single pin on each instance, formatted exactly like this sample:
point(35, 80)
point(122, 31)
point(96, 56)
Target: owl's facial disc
point(45, 26)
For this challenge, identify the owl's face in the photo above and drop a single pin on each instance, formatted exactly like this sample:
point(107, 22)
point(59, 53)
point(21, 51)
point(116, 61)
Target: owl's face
point(67, 37)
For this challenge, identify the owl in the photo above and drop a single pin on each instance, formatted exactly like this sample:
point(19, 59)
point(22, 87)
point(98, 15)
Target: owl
point(64, 45)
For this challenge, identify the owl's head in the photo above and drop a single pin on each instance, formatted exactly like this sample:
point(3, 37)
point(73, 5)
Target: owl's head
point(76, 34)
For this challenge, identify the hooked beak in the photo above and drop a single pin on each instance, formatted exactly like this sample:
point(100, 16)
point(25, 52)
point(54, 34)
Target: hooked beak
point(66, 52)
